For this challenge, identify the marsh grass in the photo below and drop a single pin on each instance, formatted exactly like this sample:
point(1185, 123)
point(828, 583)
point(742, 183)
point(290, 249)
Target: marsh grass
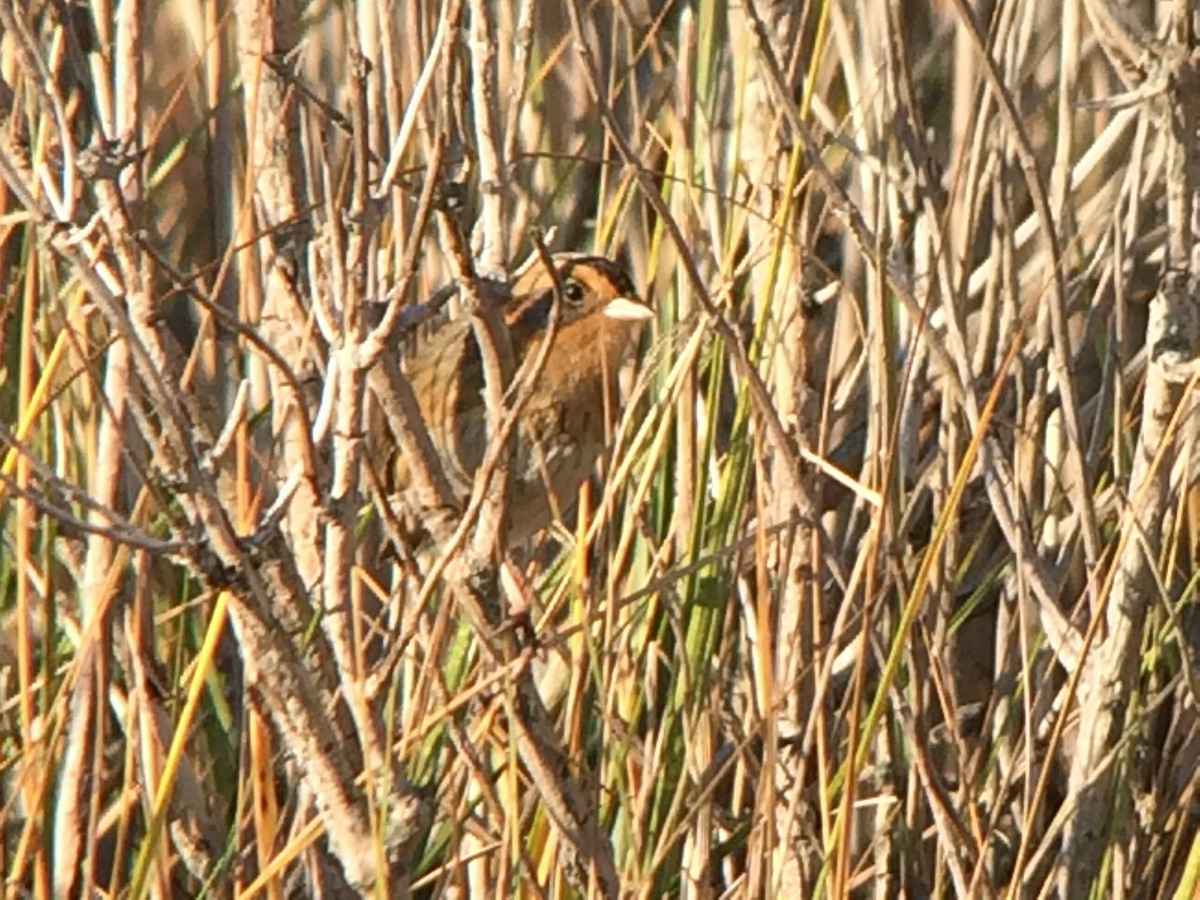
point(886, 587)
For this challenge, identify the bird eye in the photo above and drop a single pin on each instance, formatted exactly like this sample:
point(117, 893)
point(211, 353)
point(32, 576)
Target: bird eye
point(573, 292)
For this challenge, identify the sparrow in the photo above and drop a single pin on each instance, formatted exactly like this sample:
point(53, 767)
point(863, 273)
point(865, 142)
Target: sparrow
point(564, 425)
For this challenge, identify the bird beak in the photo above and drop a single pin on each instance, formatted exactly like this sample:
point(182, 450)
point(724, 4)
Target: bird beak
point(624, 309)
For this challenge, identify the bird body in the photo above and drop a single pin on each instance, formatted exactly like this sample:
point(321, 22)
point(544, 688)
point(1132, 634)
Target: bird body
point(564, 424)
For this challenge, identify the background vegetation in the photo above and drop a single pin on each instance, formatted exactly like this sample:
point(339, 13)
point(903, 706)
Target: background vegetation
point(887, 589)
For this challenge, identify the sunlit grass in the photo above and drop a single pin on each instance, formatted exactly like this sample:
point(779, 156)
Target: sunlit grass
point(823, 666)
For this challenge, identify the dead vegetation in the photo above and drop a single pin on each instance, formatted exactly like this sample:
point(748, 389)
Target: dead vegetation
point(886, 587)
